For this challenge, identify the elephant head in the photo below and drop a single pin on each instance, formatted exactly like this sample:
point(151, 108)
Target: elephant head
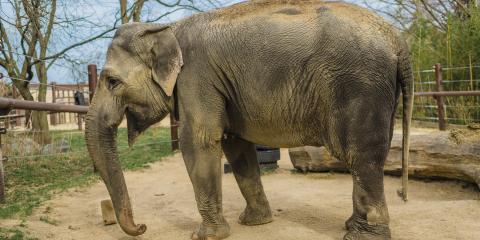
point(142, 65)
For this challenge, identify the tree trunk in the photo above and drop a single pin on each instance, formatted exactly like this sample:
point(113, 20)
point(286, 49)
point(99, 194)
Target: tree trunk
point(137, 11)
point(40, 130)
point(39, 118)
point(123, 11)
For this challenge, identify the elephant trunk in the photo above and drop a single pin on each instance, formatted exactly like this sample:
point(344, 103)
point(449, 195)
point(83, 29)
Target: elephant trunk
point(101, 132)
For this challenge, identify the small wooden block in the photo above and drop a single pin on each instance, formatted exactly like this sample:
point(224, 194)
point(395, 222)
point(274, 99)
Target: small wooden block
point(108, 213)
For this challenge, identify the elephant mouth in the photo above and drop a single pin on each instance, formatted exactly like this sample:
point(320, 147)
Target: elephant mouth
point(135, 126)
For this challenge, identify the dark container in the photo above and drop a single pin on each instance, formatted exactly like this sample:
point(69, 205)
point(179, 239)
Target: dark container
point(267, 158)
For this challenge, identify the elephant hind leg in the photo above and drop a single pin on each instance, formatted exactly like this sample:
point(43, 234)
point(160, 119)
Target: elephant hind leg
point(242, 157)
point(364, 146)
point(370, 216)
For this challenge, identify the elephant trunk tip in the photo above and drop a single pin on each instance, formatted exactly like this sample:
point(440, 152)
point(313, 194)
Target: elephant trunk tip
point(135, 230)
point(125, 219)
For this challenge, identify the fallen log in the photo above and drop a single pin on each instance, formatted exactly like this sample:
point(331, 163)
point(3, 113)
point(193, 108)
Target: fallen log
point(433, 155)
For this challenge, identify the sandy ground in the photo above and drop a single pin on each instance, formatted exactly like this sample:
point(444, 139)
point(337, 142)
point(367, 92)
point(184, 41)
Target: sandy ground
point(312, 206)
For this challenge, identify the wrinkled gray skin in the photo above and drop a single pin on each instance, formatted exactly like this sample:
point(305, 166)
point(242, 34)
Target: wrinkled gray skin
point(270, 72)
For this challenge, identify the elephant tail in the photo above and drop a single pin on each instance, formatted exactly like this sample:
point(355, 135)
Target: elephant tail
point(405, 79)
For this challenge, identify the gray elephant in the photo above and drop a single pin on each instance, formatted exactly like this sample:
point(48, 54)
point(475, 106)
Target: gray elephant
point(277, 73)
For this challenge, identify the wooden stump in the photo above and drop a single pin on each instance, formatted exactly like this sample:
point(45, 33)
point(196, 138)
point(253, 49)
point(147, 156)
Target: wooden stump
point(2, 178)
point(108, 214)
point(433, 154)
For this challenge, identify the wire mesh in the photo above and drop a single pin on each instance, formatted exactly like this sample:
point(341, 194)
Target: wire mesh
point(45, 145)
point(458, 110)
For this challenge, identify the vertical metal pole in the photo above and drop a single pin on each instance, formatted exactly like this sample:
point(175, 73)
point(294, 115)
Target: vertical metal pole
point(442, 125)
point(7, 122)
point(174, 132)
point(92, 81)
point(18, 120)
point(69, 101)
point(63, 118)
point(79, 116)
point(2, 173)
point(53, 116)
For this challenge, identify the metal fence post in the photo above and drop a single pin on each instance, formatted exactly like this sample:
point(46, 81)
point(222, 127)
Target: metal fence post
point(18, 121)
point(92, 81)
point(79, 116)
point(53, 116)
point(440, 105)
point(174, 132)
point(2, 172)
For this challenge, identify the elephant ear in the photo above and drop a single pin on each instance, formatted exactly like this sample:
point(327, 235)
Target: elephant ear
point(165, 56)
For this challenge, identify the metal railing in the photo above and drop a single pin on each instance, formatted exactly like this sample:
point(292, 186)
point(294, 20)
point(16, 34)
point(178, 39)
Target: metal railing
point(439, 95)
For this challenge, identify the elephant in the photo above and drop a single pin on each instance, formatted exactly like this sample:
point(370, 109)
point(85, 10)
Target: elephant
point(272, 72)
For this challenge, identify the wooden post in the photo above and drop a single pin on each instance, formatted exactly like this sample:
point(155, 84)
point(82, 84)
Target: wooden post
point(92, 81)
point(108, 214)
point(2, 172)
point(440, 105)
point(2, 178)
point(53, 116)
point(92, 85)
point(174, 132)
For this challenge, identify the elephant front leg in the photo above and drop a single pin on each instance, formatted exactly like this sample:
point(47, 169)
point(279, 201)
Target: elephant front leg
point(242, 157)
point(370, 217)
point(203, 161)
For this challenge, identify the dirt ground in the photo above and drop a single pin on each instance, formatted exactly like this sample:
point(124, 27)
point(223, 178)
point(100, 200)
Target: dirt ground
point(312, 206)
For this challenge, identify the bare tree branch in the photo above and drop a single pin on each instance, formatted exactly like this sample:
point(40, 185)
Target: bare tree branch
point(76, 45)
point(428, 8)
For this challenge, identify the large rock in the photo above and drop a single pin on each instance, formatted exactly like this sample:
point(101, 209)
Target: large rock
point(433, 154)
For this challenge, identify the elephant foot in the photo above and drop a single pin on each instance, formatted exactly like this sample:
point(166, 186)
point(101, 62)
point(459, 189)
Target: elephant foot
point(204, 232)
point(257, 216)
point(349, 223)
point(359, 229)
point(356, 235)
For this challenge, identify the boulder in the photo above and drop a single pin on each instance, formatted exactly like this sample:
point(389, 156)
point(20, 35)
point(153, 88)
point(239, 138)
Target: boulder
point(433, 154)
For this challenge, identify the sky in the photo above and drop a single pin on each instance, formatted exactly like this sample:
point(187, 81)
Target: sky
point(93, 17)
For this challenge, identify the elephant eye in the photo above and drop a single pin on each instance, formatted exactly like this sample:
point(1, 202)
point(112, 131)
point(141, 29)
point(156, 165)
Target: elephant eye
point(113, 82)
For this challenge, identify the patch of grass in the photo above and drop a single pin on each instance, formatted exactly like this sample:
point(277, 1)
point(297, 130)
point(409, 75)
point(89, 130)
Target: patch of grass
point(31, 180)
point(13, 234)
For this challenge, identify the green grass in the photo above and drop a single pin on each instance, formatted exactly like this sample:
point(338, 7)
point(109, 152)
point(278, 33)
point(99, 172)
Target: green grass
point(33, 180)
point(13, 234)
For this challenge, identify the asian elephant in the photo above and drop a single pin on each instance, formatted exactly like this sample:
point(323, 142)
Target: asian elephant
point(278, 73)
